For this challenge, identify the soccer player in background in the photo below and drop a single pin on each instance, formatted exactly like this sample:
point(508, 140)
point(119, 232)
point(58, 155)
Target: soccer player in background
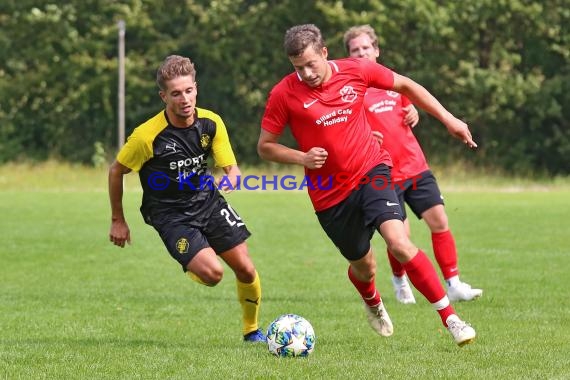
point(180, 199)
point(322, 103)
point(392, 117)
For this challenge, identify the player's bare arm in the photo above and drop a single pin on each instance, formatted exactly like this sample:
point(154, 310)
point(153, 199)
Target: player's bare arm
point(269, 148)
point(426, 101)
point(119, 233)
point(233, 173)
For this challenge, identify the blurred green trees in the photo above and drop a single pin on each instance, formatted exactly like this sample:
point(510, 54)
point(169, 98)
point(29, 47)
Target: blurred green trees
point(502, 65)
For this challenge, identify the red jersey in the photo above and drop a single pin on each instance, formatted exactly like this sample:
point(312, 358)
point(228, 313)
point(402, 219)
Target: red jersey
point(385, 113)
point(331, 116)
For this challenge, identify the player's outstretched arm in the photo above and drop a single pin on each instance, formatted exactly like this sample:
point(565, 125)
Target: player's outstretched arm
point(426, 101)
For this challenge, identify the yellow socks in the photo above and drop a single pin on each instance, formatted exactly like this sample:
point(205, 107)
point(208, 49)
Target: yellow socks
point(249, 296)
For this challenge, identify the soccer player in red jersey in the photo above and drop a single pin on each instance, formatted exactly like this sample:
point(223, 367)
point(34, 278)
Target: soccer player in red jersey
point(392, 116)
point(322, 102)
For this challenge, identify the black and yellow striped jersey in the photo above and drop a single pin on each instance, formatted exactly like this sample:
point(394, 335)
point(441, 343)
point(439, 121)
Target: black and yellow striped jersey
point(173, 162)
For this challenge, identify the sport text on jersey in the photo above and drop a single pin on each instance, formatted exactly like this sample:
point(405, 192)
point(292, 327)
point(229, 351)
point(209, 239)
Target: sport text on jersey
point(190, 162)
point(189, 167)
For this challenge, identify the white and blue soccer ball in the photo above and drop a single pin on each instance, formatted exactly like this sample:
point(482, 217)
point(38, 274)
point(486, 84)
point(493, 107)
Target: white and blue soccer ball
point(290, 335)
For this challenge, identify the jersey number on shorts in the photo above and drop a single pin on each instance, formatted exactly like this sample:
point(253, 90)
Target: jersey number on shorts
point(231, 216)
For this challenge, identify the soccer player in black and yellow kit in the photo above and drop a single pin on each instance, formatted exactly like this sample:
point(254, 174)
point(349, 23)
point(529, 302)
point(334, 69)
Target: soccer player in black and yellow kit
point(180, 197)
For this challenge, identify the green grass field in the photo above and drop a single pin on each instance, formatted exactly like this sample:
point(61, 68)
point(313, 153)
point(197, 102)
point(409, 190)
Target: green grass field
point(72, 306)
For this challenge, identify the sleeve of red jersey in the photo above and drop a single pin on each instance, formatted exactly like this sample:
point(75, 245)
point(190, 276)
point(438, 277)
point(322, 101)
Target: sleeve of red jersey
point(377, 75)
point(275, 116)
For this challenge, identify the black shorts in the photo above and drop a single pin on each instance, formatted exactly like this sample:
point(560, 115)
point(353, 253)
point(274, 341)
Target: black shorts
point(352, 223)
point(220, 228)
point(420, 193)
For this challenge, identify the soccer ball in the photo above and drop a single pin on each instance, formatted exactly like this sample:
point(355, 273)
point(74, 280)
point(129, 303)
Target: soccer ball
point(290, 335)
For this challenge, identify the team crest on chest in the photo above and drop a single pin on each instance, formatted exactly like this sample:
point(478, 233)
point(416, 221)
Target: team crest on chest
point(393, 94)
point(347, 94)
point(204, 141)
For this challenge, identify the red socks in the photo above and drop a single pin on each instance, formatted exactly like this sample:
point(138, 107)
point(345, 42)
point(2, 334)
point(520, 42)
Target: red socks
point(423, 276)
point(445, 253)
point(367, 290)
point(397, 267)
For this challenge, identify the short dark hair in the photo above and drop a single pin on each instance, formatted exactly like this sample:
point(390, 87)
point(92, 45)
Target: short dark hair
point(174, 66)
point(299, 37)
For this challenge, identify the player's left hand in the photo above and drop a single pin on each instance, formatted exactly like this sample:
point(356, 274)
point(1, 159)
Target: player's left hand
point(230, 183)
point(412, 116)
point(460, 130)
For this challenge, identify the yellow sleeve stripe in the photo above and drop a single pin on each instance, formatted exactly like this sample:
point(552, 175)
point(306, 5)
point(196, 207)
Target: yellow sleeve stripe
point(221, 147)
point(138, 148)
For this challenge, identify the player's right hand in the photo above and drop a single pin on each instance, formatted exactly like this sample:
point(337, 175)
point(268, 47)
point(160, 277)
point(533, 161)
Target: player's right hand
point(378, 136)
point(120, 233)
point(315, 158)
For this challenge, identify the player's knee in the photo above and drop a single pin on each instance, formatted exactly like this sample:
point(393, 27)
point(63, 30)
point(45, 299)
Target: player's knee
point(438, 224)
point(402, 249)
point(209, 278)
point(368, 273)
point(214, 276)
point(436, 219)
point(245, 274)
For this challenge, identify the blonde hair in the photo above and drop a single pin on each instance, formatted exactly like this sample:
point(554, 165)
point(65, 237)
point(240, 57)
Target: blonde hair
point(174, 66)
point(356, 31)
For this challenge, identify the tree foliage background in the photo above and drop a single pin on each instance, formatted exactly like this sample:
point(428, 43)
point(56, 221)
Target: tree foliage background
point(501, 65)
